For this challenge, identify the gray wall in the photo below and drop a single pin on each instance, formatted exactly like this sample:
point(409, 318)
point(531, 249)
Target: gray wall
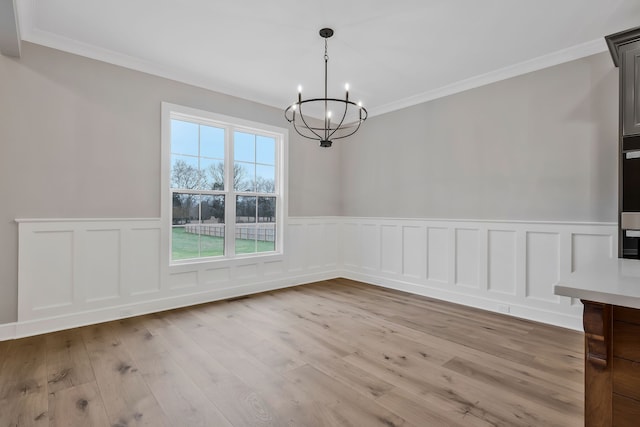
point(81, 139)
point(541, 146)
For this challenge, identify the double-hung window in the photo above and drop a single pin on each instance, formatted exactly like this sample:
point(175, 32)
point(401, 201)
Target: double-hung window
point(224, 181)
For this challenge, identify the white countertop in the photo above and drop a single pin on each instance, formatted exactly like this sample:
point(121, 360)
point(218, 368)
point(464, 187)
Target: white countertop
point(615, 281)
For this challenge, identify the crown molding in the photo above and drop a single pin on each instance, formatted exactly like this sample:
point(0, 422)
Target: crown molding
point(545, 61)
point(614, 41)
point(25, 14)
point(87, 50)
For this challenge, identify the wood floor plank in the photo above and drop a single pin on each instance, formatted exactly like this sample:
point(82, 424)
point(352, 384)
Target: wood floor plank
point(29, 410)
point(127, 398)
point(77, 406)
point(68, 363)
point(181, 400)
point(545, 396)
point(332, 353)
point(276, 357)
point(429, 410)
point(390, 335)
point(350, 407)
point(4, 347)
point(294, 405)
point(313, 334)
point(240, 403)
point(23, 384)
point(24, 369)
point(500, 342)
point(327, 362)
point(137, 339)
point(360, 380)
point(282, 331)
point(402, 302)
point(484, 401)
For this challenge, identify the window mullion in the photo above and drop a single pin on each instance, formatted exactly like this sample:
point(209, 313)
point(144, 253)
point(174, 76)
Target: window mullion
point(230, 198)
point(199, 194)
point(199, 224)
point(205, 192)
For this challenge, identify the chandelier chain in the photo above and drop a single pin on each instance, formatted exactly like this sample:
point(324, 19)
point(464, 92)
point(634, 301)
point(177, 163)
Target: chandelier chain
point(326, 55)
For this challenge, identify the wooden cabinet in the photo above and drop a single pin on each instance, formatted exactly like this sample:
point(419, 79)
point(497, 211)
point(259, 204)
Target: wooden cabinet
point(625, 51)
point(612, 365)
point(629, 87)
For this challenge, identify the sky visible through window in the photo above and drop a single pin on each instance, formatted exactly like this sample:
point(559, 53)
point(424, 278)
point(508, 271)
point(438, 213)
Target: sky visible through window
point(202, 147)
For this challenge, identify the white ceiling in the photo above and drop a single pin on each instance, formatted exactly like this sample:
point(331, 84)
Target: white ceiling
point(393, 53)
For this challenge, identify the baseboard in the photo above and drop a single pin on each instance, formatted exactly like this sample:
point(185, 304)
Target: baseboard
point(516, 310)
point(24, 329)
point(7, 331)
point(74, 320)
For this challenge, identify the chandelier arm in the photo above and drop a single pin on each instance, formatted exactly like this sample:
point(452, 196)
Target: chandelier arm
point(292, 120)
point(366, 114)
point(346, 107)
point(311, 129)
point(315, 137)
point(287, 117)
point(349, 134)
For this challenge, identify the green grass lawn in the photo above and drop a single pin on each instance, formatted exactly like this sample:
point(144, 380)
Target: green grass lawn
point(185, 245)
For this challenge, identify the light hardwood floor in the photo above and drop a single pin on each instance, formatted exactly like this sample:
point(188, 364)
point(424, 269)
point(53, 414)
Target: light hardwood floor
point(333, 353)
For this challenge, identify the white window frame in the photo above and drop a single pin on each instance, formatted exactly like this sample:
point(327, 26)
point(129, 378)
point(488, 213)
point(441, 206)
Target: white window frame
point(230, 124)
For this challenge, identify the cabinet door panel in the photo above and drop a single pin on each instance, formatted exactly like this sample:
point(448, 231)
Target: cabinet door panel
point(625, 341)
point(630, 86)
point(624, 314)
point(626, 378)
point(626, 411)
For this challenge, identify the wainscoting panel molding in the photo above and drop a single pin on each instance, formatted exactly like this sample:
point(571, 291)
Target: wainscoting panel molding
point(507, 267)
point(414, 252)
point(74, 272)
point(501, 259)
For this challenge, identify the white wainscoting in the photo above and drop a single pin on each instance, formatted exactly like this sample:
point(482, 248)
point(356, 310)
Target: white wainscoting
point(507, 267)
point(74, 272)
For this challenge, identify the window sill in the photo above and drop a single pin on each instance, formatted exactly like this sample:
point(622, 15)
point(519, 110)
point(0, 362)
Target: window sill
point(189, 265)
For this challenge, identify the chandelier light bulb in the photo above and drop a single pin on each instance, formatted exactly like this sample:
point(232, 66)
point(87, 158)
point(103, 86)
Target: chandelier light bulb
point(360, 104)
point(299, 88)
point(328, 114)
point(346, 87)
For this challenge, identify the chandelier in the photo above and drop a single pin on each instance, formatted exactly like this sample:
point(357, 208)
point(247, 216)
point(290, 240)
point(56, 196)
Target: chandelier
point(331, 129)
